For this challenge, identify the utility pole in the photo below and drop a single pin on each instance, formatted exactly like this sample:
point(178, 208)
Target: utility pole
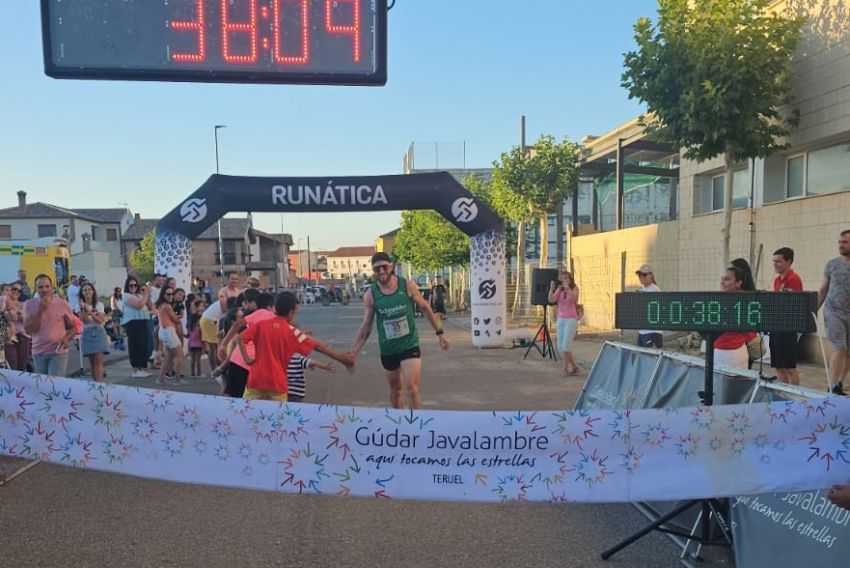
point(309, 263)
point(220, 239)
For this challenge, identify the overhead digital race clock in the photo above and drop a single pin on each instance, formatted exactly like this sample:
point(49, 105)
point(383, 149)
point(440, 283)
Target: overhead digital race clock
point(332, 42)
point(788, 312)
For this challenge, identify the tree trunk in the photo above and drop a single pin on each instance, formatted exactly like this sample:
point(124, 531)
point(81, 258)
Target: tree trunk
point(520, 265)
point(452, 286)
point(467, 279)
point(726, 230)
point(559, 239)
point(544, 240)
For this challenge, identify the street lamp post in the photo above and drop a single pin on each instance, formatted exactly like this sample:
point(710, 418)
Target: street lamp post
point(220, 239)
point(301, 259)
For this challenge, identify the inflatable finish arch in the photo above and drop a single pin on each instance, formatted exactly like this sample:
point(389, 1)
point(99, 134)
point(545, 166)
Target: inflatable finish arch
point(439, 191)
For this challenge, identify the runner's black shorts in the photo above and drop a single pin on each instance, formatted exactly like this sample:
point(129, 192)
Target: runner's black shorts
point(783, 350)
point(393, 362)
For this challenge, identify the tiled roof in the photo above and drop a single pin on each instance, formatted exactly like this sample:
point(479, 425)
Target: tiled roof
point(33, 210)
point(283, 238)
point(139, 229)
point(103, 215)
point(46, 210)
point(352, 251)
point(230, 229)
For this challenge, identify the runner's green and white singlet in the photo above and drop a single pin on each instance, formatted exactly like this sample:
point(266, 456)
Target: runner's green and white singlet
point(396, 326)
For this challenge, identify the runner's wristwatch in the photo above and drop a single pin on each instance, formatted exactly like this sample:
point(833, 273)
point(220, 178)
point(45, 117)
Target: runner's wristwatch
point(439, 332)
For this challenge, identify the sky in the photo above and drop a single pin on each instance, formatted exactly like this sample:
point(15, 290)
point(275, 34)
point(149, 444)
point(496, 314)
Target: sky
point(461, 73)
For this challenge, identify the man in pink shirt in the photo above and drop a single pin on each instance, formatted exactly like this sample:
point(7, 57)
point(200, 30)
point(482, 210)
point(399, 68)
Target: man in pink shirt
point(52, 324)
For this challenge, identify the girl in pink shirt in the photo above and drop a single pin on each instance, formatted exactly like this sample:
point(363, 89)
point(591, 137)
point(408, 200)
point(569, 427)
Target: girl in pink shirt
point(566, 296)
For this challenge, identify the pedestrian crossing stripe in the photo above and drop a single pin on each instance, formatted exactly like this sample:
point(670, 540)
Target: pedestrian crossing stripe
point(19, 250)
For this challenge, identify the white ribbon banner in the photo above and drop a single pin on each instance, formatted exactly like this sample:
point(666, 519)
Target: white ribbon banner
point(598, 456)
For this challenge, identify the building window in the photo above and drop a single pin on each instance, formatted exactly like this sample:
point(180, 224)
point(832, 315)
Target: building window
point(111, 234)
point(795, 176)
point(740, 188)
point(47, 230)
point(712, 191)
point(5, 231)
point(828, 170)
point(717, 183)
point(819, 172)
point(94, 233)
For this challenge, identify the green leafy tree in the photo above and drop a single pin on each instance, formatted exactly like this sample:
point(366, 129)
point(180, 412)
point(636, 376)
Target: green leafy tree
point(511, 178)
point(533, 184)
point(716, 78)
point(554, 178)
point(141, 260)
point(427, 241)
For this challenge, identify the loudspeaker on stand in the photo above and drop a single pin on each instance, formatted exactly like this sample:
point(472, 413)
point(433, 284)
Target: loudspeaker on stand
point(540, 279)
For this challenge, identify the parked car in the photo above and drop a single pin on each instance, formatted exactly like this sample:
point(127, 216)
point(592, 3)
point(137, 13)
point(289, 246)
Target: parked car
point(309, 296)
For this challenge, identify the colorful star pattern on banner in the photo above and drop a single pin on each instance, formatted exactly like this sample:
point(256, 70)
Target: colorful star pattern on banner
point(388, 454)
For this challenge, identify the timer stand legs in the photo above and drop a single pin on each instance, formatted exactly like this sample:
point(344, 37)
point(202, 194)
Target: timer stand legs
point(545, 338)
point(712, 511)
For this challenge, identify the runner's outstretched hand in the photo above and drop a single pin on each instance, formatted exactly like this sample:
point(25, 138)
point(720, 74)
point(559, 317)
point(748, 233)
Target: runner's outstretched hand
point(352, 358)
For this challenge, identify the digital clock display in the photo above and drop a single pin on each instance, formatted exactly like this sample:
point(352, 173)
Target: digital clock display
point(781, 312)
point(339, 42)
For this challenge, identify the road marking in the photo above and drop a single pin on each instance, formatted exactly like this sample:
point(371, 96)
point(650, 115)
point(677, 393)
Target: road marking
point(15, 474)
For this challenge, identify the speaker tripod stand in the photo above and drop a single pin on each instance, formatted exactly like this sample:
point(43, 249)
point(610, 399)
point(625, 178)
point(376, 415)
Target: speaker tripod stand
point(546, 347)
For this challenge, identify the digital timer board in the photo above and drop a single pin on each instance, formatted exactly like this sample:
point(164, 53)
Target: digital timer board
point(780, 312)
point(333, 42)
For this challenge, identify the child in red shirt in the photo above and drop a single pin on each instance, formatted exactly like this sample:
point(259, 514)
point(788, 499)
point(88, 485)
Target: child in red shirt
point(784, 346)
point(276, 340)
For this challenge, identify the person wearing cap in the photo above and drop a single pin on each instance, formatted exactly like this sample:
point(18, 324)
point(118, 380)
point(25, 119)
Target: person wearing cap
point(648, 337)
point(389, 302)
point(74, 293)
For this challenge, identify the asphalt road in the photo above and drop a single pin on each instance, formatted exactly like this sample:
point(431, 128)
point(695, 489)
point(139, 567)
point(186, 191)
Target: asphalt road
point(57, 516)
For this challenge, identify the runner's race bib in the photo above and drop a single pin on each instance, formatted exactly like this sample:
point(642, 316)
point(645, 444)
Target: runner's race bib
point(395, 328)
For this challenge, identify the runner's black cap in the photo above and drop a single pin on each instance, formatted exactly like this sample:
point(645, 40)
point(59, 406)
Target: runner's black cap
point(381, 257)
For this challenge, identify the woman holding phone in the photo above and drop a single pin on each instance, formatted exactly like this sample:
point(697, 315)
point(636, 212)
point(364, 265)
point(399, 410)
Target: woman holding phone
point(565, 295)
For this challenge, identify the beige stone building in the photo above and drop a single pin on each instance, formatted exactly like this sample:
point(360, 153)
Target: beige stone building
point(799, 197)
point(349, 262)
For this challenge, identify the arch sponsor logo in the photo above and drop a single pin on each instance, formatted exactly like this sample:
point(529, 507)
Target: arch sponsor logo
point(487, 289)
point(329, 194)
point(464, 209)
point(193, 210)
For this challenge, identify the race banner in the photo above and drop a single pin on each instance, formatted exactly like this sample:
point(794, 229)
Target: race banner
point(590, 456)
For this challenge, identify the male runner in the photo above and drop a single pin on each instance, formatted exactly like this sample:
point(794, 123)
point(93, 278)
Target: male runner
point(834, 296)
point(390, 298)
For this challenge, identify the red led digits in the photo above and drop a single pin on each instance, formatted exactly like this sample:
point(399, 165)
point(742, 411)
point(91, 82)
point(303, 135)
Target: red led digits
point(196, 26)
point(304, 56)
point(228, 28)
point(352, 29)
